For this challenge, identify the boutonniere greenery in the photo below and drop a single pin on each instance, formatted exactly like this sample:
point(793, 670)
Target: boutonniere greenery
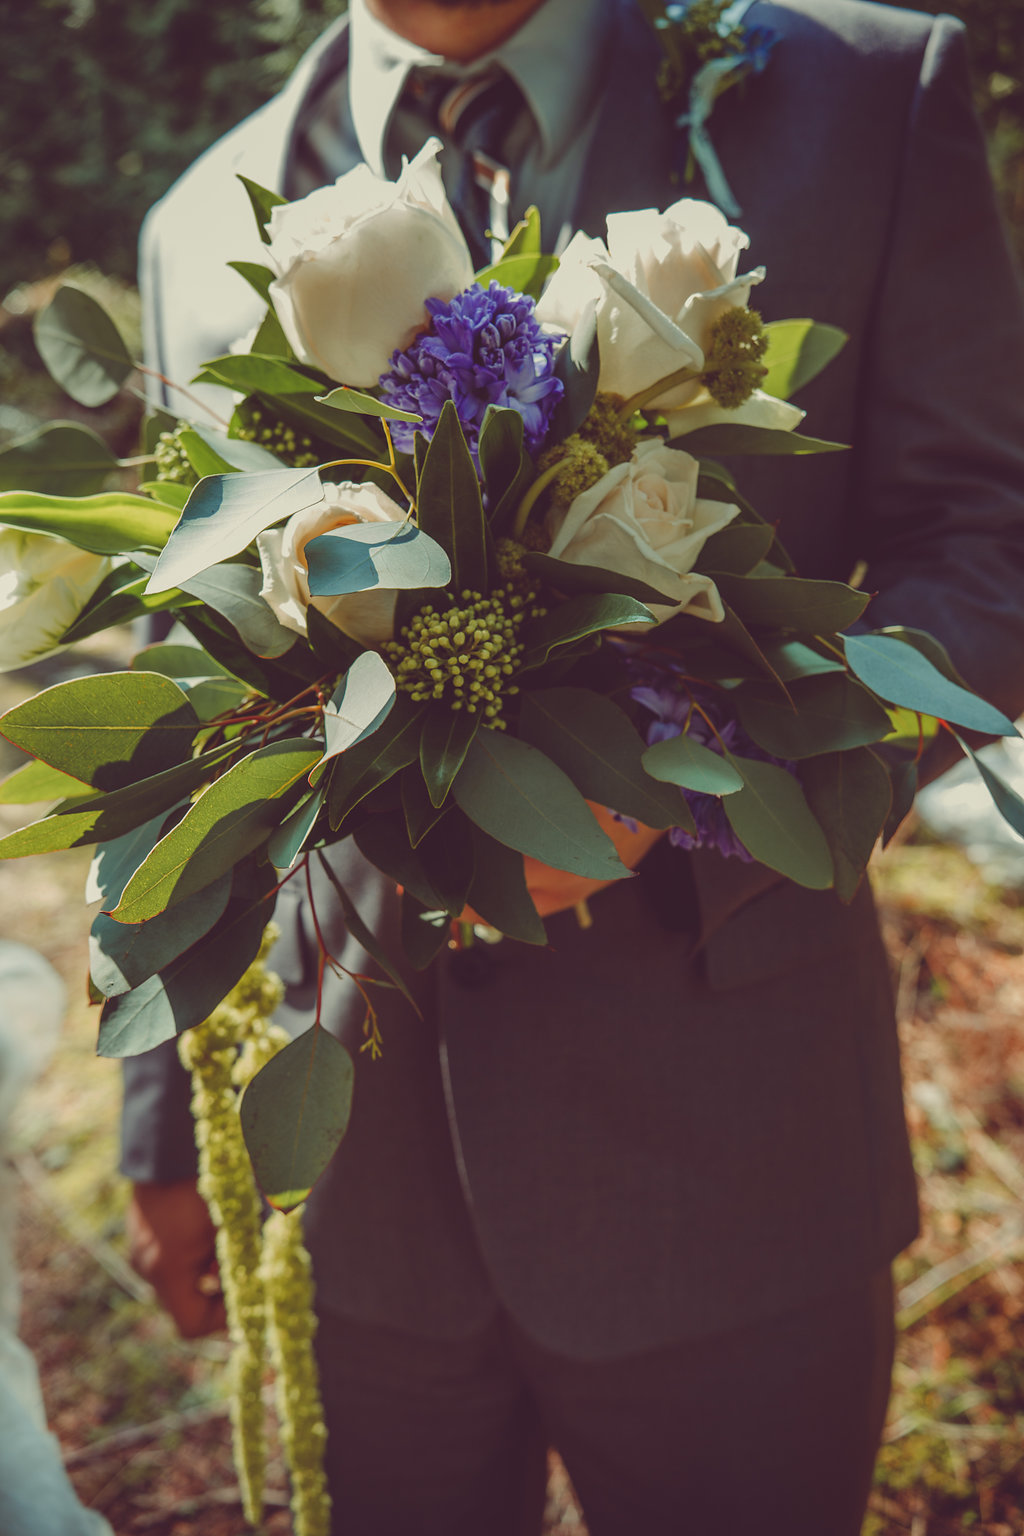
point(706, 49)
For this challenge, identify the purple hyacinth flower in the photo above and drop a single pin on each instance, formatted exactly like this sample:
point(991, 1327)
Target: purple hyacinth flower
point(485, 347)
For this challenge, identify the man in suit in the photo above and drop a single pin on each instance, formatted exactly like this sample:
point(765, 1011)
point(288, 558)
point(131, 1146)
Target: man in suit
point(637, 1194)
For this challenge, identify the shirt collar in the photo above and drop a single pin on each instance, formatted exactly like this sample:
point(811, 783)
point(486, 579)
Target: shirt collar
point(553, 58)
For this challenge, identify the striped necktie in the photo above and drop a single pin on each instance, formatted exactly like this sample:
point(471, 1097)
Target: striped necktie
point(473, 117)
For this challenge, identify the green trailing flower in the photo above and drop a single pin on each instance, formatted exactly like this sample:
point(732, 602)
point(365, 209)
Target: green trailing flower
point(583, 465)
point(172, 462)
point(287, 1281)
point(732, 367)
point(467, 655)
point(258, 426)
point(604, 427)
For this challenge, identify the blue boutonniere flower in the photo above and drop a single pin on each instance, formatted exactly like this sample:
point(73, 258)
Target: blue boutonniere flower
point(706, 49)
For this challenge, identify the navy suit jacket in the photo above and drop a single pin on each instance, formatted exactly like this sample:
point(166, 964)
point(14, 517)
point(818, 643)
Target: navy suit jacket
point(630, 1137)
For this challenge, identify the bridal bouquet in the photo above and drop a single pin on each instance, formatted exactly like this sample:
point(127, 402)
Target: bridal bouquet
point(462, 578)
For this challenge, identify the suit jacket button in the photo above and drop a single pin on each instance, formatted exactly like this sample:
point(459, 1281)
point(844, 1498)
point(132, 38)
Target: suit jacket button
point(473, 967)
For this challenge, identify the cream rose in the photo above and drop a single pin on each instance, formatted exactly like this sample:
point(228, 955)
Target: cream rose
point(368, 617)
point(355, 263)
point(44, 585)
point(643, 519)
point(658, 285)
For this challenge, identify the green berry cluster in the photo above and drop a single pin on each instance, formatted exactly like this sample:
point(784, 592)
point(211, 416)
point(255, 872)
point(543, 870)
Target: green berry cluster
point(604, 427)
point(172, 462)
point(255, 426)
point(583, 465)
point(733, 368)
point(467, 654)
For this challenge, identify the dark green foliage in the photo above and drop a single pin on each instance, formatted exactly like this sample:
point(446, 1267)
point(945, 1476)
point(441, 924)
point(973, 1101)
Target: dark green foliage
point(105, 102)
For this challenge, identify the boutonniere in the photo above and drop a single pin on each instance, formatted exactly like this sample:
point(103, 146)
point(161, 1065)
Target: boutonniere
point(706, 49)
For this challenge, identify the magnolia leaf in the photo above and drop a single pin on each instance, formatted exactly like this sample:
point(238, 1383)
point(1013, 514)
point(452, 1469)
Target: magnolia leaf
point(35, 781)
point(59, 459)
point(830, 713)
point(119, 599)
point(185, 663)
point(202, 456)
point(499, 893)
point(447, 855)
point(361, 702)
point(233, 816)
point(294, 1114)
point(368, 555)
point(788, 602)
point(567, 576)
point(110, 730)
point(417, 807)
point(376, 758)
point(190, 986)
point(902, 674)
point(773, 821)
point(797, 352)
point(850, 796)
point(505, 465)
point(449, 506)
point(683, 761)
point(111, 524)
point(223, 516)
point(166, 492)
point(518, 796)
point(592, 741)
point(729, 437)
point(347, 399)
point(124, 955)
point(384, 840)
point(737, 549)
point(581, 616)
point(444, 743)
point(82, 347)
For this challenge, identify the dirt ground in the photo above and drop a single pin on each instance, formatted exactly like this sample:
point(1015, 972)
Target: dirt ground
point(141, 1415)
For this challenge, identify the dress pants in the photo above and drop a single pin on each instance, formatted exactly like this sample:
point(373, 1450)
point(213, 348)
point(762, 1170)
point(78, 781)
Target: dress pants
point(770, 1428)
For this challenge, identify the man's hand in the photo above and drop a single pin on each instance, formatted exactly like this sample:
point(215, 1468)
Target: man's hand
point(172, 1245)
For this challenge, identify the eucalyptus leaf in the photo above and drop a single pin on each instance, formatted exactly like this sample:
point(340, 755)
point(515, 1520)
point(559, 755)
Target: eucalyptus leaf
point(1006, 800)
point(793, 658)
point(902, 674)
point(124, 955)
point(797, 352)
point(904, 777)
point(114, 523)
point(223, 516)
point(119, 599)
point(35, 781)
point(518, 796)
point(347, 399)
point(729, 437)
point(363, 556)
point(185, 663)
point(829, 713)
point(737, 549)
point(384, 841)
point(683, 761)
point(286, 844)
point(447, 854)
point(360, 704)
point(294, 1114)
point(787, 602)
point(234, 591)
point(58, 459)
point(376, 758)
point(850, 796)
point(567, 576)
point(114, 862)
point(82, 347)
point(773, 821)
point(425, 931)
point(365, 936)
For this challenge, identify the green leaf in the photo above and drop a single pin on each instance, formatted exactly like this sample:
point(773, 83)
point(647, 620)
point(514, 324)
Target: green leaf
point(234, 592)
point(850, 796)
point(445, 740)
point(773, 821)
point(526, 273)
point(425, 931)
point(904, 778)
point(233, 816)
point(499, 892)
point(111, 524)
point(348, 399)
point(124, 955)
point(110, 730)
point(737, 549)
point(368, 555)
point(376, 758)
point(792, 659)
point(447, 855)
point(256, 275)
point(417, 807)
point(683, 761)
point(525, 239)
point(578, 366)
point(583, 615)
point(294, 1114)
point(383, 839)
point(792, 602)
point(263, 204)
point(114, 862)
point(567, 576)
point(58, 459)
point(927, 644)
point(224, 514)
point(190, 987)
point(365, 936)
point(592, 741)
point(506, 466)
point(729, 437)
point(903, 675)
point(166, 493)
point(285, 845)
point(797, 352)
point(830, 713)
point(270, 339)
point(185, 663)
point(204, 459)
point(281, 679)
point(82, 347)
point(119, 599)
point(360, 704)
point(518, 796)
point(34, 782)
point(449, 504)
point(1006, 800)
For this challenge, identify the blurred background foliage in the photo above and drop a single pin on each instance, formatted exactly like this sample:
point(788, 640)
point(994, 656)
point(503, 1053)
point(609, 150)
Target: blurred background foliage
point(105, 102)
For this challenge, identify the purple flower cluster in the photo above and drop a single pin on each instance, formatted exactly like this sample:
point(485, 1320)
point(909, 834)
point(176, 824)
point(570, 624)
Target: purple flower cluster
point(660, 689)
point(484, 348)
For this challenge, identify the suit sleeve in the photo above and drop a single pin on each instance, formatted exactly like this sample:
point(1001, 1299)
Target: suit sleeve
point(941, 410)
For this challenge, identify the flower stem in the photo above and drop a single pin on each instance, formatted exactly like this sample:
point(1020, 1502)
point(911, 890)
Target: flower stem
point(532, 496)
point(644, 396)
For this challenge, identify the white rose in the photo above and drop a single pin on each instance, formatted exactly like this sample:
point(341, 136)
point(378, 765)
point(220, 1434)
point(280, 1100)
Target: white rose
point(355, 263)
point(659, 285)
point(44, 585)
point(643, 519)
point(368, 617)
